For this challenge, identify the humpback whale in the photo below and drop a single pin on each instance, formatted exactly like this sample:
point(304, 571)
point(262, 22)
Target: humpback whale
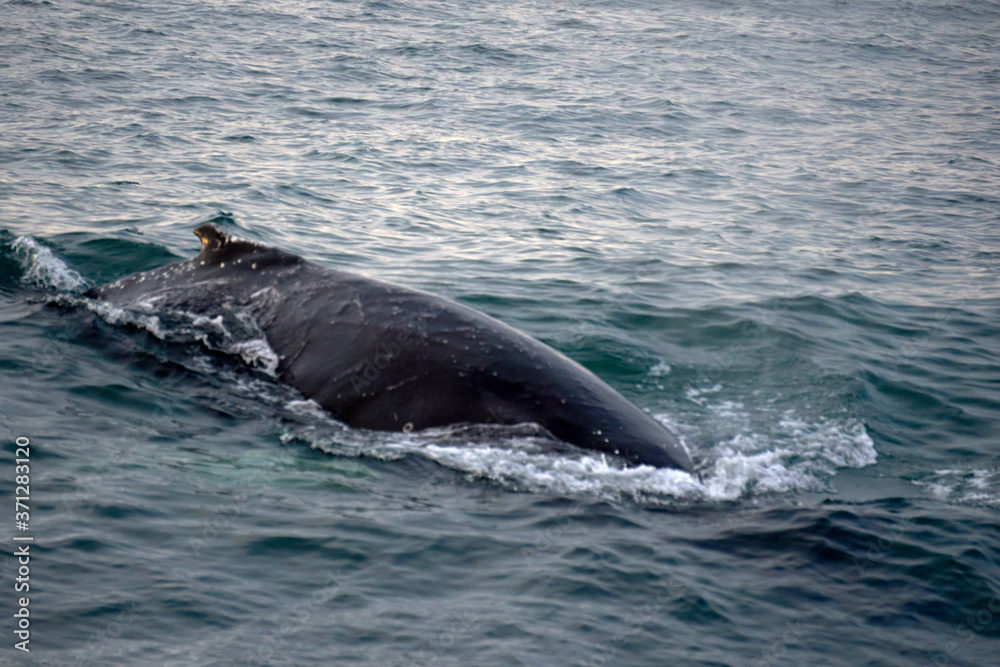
point(384, 357)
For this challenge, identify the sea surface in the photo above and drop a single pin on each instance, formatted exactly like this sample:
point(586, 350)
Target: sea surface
point(773, 225)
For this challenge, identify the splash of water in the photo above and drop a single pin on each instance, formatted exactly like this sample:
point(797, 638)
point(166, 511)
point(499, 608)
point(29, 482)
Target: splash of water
point(43, 269)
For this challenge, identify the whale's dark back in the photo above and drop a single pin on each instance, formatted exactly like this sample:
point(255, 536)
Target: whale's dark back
point(385, 357)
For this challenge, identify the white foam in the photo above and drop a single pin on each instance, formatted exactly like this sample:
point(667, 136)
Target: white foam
point(241, 338)
point(120, 316)
point(43, 269)
point(660, 369)
point(697, 395)
point(257, 353)
point(796, 455)
point(964, 487)
point(308, 408)
point(209, 323)
point(586, 474)
point(799, 455)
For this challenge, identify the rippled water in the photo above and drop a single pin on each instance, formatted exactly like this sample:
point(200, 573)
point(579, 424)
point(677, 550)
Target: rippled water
point(772, 225)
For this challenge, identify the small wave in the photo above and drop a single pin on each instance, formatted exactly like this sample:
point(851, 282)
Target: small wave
point(43, 269)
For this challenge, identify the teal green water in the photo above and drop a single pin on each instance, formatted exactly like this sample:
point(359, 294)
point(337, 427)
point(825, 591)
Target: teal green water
point(773, 226)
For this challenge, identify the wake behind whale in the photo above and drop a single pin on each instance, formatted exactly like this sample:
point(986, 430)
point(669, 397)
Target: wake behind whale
point(384, 357)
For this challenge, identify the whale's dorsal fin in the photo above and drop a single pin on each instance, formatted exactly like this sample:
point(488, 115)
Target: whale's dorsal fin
point(217, 247)
point(211, 234)
point(215, 239)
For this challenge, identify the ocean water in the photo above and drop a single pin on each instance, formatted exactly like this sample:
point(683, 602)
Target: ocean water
point(773, 225)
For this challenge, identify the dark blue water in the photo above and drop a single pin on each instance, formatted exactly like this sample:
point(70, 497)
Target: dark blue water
point(773, 225)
